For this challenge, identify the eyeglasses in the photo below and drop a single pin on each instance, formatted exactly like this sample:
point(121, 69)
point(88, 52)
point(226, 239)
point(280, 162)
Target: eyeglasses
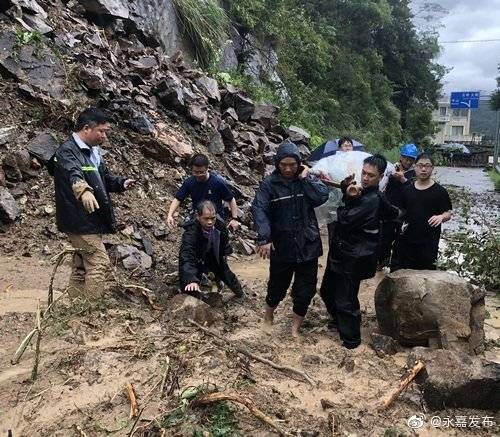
point(424, 165)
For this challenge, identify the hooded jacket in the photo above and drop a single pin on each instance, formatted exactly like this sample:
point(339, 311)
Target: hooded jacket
point(69, 165)
point(283, 212)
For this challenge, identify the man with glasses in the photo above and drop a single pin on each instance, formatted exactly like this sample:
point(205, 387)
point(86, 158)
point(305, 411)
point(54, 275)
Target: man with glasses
point(427, 205)
point(204, 185)
point(288, 233)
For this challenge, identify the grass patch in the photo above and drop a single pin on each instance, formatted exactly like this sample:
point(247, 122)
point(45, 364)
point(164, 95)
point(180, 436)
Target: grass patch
point(495, 178)
point(26, 38)
point(206, 25)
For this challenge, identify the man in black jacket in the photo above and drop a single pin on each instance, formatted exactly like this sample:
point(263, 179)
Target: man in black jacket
point(284, 218)
point(83, 205)
point(204, 247)
point(354, 248)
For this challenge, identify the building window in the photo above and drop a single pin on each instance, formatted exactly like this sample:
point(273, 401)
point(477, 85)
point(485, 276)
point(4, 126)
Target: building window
point(457, 131)
point(442, 111)
point(460, 112)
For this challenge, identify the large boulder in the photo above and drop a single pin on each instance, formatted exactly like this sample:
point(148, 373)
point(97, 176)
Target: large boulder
point(298, 135)
point(454, 379)
point(9, 210)
point(431, 308)
point(165, 146)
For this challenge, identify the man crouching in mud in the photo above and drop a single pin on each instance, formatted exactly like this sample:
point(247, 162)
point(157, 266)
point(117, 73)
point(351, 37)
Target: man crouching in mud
point(288, 233)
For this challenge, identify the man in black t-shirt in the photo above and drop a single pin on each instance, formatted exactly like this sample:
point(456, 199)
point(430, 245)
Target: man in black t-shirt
point(427, 205)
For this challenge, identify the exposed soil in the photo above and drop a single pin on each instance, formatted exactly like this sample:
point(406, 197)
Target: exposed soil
point(87, 358)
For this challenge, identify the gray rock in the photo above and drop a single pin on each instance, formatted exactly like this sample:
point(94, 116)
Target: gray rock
point(92, 78)
point(298, 135)
point(171, 93)
point(35, 67)
point(267, 115)
point(197, 113)
point(384, 345)
point(42, 146)
point(209, 87)
point(2, 178)
point(148, 245)
point(142, 124)
point(17, 166)
point(7, 134)
point(131, 257)
point(421, 308)
point(244, 107)
point(185, 307)
point(115, 8)
point(9, 210)
point(216, 144)
point(454, 379)
point(228, 136)
point(160, 233)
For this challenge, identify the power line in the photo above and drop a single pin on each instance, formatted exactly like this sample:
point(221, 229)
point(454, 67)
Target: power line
point(470, 40)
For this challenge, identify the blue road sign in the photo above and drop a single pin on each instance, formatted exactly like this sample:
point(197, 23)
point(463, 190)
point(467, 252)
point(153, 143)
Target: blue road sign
point(465, 99)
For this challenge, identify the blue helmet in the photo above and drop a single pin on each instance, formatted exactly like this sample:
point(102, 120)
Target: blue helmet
point(409, 150)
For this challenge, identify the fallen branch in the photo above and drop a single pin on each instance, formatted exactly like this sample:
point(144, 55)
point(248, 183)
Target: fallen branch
point(22, 347)
point(58, 259)
point(256, 357)
point(34, 372)
point(164, 378)
point(417, 367)
point(218, 397)
point(134, 409)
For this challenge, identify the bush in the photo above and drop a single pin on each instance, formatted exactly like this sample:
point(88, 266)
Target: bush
point(206, 24)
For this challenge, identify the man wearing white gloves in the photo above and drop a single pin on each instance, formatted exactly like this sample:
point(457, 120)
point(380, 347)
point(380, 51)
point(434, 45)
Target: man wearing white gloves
point(83, 205)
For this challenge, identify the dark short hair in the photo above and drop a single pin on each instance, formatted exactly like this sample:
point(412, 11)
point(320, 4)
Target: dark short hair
point(199, 160)
point(345, 140)
point(378, 161)
point(90, 117)
point(425, 156)
point(203, 205)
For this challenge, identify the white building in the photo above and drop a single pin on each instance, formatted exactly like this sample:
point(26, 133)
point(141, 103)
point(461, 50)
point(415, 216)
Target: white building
point(453, 125)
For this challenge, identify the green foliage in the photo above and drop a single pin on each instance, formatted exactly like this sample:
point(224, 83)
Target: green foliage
point(355, 67)
point(206, 24)
point(474, 253)
point(26, 38)
point(495, 178)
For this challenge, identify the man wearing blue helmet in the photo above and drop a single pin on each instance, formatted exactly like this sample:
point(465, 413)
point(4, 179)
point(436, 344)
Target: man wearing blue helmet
point(404, 175)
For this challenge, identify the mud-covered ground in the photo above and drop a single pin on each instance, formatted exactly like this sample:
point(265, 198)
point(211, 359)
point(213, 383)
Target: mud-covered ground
point(87, 359)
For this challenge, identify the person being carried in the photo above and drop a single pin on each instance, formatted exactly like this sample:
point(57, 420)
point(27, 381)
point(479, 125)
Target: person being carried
point(204, 247)
point(427, 205)
point(284, 218)
point(204, 185)
point(354, 248)
point(345, 144)
point(404, 175)
point(83, 205)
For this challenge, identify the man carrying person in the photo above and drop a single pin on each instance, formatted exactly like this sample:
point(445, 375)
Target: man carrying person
point(288, 233)
point(354, 248)
point(426, 205)
point(204, 247)
point(84, 210)
point(403, 176)
point(204, 185)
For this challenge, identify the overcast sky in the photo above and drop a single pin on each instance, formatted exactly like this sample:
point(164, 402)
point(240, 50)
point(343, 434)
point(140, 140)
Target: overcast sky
point(474, 65)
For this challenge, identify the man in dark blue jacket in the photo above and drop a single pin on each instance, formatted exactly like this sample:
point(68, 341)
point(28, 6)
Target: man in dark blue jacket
point(284, 218)
point(83, 205)
point(354, 248)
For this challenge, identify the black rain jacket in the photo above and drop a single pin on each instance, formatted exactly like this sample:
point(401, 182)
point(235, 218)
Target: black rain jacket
point(71, 164)
point(283, 213)
point(356, 239)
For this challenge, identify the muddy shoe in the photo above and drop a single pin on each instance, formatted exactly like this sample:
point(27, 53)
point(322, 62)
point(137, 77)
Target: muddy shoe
point(240, 297)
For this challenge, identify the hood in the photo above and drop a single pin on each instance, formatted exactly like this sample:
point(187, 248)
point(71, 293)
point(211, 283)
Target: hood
point(285, 150)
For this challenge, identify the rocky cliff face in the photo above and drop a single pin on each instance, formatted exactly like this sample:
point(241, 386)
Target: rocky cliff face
point(57, 58)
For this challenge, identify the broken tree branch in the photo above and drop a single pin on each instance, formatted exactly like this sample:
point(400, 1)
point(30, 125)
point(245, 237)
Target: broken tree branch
point(58, 259)
point(38, 327)
point(146, 292)
point(417, 367)
point(256, 357)
point(218, 397)
point(165, 375)
point(134, 409)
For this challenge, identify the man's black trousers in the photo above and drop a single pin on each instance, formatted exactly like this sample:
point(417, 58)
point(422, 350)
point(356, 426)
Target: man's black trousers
point(339, 292)
point(304, 284)
point(416, 256)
